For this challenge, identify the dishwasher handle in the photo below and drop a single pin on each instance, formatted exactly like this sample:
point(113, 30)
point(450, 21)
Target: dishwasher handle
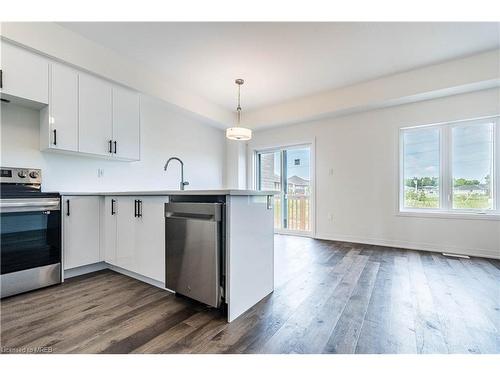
point(206, 211)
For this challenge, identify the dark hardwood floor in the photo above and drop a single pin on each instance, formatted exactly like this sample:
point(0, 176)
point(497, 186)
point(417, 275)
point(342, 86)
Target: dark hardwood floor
point(330, 297)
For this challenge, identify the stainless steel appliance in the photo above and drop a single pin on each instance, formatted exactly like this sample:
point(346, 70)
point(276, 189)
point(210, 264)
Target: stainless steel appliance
point(194, 237)
point(30, 237)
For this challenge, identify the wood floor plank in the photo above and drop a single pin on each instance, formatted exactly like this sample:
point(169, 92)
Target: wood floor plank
point(75, 328)
point(373, 337)
point(266, 318)
point(428, 330)
point(455, 324)
point(332, 297)
point(345, 335)
point(289, 338)
point(164, 341)
point(53, 313)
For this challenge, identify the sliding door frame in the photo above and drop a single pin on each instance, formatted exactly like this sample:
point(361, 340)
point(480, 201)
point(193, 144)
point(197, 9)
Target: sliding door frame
point(312, 175)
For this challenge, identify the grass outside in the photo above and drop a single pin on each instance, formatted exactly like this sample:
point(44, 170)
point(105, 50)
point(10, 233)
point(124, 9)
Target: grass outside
point(460, 201)
point(475, 201)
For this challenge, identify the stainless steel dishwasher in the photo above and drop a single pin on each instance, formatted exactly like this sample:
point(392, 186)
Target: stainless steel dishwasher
point(194, 250)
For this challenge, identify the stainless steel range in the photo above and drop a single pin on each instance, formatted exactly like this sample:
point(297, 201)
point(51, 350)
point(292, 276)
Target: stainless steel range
point(30, 239)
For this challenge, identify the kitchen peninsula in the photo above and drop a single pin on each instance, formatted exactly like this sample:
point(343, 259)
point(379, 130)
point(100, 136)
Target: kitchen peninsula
point(126, 232)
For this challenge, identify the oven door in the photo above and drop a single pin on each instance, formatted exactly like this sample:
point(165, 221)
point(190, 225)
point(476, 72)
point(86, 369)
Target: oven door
point(30, 243)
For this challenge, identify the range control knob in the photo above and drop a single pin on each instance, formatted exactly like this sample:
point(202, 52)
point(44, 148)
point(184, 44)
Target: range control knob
point(22, 174)
point(34, 174)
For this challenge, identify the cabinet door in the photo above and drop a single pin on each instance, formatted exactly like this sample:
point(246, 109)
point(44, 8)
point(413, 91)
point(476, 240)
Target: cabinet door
point(150, 238)
point(126, 124)
point(81, 231)
point(24, 74)
point(126, 233)
point(95, 108)
point(63, 106)
point(109, 229)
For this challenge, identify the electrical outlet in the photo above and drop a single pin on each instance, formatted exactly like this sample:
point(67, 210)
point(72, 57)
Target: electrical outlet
point(100, 172)
point(330, 217)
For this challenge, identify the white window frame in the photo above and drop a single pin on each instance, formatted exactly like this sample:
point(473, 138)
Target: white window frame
point(446, 209)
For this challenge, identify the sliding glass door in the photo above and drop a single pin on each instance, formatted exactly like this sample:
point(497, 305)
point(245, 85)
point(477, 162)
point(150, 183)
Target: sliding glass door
point(288, 170)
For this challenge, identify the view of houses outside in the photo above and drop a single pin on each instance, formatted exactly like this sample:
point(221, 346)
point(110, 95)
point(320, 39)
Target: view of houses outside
point(297, 187)
point(471, 169)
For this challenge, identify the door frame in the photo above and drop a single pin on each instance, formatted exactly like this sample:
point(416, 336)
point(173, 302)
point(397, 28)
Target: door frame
point(254, 175)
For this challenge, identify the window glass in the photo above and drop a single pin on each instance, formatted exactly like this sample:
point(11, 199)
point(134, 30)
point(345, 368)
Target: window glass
point(421, 168)
point(270, 179)
point(472, 166)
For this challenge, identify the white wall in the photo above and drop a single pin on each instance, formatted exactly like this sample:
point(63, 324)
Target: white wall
point(362, 192)
point(235, 176)
point(165, 131)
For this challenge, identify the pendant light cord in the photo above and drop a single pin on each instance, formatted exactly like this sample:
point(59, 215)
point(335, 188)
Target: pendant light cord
point(239, 106)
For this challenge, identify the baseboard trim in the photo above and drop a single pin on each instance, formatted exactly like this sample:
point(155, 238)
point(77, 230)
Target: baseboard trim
point(482, 253)
point(137, 276)
point(77, 271)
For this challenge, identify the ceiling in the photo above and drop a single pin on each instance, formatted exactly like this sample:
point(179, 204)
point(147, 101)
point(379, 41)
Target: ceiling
point(281, 61)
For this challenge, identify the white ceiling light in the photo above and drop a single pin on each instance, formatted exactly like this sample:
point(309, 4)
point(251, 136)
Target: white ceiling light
point(238, 133)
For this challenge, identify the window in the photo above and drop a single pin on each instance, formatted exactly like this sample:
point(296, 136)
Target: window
point(451, 167)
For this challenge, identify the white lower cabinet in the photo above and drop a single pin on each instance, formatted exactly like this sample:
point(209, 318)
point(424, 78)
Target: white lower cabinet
point(134, 234)
point(80, 231)
point(109, 230)
point(150, 238)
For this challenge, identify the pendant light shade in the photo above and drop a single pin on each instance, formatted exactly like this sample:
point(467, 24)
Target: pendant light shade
point(237, 133)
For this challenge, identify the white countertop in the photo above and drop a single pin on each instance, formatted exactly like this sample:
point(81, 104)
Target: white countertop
point(176, 192)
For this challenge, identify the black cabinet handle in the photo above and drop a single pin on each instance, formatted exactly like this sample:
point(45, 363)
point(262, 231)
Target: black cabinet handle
point(139, 208)
point(67, 207)
point(135, 208)
point(55, 136)
point(1, 79)
point(113, 207)
point(110, 146)
point(115, 146)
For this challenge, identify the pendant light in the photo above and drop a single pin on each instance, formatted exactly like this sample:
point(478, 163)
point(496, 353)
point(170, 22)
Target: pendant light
point(238, 133)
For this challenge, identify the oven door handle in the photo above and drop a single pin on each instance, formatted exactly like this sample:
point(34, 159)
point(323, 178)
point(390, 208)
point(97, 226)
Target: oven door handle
point(27, 205)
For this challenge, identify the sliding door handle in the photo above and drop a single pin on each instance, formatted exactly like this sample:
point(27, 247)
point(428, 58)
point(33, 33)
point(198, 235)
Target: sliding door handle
point(113, 206)
point(135, 208)
point(55, 136)
point(110, 146)
point(67, 207)
point(115, 146)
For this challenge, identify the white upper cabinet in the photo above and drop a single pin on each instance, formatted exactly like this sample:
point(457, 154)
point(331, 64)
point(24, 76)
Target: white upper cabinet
point(63, 108)
point(25, 75)
point(79, 112)
point(95, 130)
point(126, 124)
